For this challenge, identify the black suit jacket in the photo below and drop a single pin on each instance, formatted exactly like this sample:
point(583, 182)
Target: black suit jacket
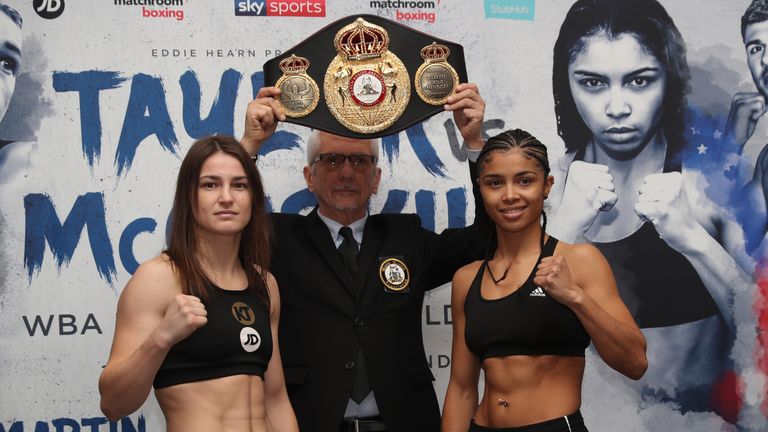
point(326, 317)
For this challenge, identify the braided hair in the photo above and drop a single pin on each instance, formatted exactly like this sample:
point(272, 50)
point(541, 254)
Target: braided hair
point(515, 139)
point(530, 146)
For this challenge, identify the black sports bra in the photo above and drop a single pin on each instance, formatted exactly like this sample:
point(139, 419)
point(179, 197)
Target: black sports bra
point(236, 341)
point(525, 322)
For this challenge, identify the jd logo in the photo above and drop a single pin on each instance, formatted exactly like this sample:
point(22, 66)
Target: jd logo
point(49, 9)
point(250, 339)
point(243, 313)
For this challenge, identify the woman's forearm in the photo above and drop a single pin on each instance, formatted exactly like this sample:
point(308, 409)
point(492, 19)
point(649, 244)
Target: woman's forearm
point(125, 385)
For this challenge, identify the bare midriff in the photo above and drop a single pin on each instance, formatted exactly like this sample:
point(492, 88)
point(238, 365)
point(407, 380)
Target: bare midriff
point(229, 404)
point(522, 390)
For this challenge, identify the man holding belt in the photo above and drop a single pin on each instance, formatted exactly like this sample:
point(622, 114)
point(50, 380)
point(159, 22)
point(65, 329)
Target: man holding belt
point(352, 284)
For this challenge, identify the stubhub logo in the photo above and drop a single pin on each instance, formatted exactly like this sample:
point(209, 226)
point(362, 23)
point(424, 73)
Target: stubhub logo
point(295, 8)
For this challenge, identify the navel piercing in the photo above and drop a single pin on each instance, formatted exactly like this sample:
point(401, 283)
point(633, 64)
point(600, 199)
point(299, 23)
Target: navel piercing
point(503, 403)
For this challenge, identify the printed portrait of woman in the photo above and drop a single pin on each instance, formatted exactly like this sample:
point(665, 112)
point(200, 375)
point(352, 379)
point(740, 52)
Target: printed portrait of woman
point(620, 80)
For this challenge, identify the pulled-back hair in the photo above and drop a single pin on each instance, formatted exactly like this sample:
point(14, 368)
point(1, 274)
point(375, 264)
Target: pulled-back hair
point(515, 139)
point(649, 23)
point(183, 247)
point(531, 147)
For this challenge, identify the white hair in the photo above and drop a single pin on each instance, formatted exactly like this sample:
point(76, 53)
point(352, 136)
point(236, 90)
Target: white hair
point(313, 146)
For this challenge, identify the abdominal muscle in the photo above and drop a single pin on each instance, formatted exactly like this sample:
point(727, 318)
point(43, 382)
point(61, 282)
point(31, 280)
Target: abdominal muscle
point(229, 404)
point(535, 389)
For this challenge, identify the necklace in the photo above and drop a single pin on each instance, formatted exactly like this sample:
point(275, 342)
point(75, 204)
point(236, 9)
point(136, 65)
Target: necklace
point(503, 276)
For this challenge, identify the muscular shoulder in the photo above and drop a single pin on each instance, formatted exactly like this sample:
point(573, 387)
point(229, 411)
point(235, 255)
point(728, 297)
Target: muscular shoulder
point(580, 256)
point(157, 265)
point(575, 250)
point(154, 282)
point(464, 276)
point(468, 271)
point(158, 269)
point(586, 263)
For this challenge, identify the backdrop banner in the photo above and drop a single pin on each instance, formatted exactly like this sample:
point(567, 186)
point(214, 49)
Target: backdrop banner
point(101, 100)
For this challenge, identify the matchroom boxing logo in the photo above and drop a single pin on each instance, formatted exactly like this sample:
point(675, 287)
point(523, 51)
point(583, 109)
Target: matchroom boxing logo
point(168, 9)
point(292, 8)
point(408, 10)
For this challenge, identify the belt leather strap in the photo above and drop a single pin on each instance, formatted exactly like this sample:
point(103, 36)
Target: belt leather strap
point(362, 425)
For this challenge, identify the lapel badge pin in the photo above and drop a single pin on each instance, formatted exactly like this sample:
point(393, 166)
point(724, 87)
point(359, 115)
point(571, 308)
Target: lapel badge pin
point(394, 274)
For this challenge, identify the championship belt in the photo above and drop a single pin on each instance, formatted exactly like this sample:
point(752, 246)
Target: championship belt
point(366, 86)
point(298, 92)
point(436, 79)
point(369, 67)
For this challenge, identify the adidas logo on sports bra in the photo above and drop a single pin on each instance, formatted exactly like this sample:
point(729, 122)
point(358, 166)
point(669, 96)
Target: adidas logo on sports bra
point(538, 292)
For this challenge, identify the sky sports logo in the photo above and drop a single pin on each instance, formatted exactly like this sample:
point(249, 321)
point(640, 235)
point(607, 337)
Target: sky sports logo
point(293, 8)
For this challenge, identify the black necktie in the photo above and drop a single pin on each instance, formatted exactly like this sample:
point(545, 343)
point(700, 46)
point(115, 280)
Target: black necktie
point(348, 251)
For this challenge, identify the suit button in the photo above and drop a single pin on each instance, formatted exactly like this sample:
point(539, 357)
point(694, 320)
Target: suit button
point(350, 365)
point(358, 322)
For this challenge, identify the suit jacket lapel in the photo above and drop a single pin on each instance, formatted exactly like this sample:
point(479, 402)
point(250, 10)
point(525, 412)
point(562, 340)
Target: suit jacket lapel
point(318, 233)
point(372, 238)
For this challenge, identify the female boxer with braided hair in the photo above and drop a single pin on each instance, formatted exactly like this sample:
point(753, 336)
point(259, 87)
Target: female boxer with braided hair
point(526, 314)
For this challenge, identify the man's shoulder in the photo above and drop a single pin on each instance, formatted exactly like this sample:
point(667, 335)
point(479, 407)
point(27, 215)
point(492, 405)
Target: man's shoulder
point(395, 224)
point(395, 218)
